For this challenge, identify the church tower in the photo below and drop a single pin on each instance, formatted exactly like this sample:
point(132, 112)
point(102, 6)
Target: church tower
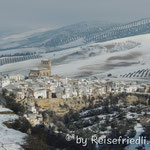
point(46, 64)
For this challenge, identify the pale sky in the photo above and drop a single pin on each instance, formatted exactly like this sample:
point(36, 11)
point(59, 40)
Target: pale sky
point(52, 13)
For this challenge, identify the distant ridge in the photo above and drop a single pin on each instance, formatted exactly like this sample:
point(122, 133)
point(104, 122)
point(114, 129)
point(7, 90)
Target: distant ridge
point(76, 35)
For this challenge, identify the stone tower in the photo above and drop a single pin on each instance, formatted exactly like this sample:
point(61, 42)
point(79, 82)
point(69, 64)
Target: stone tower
point(46, 64)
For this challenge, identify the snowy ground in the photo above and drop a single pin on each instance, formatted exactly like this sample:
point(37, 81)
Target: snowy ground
point(10, 139)
point(5, 110)
point(139, 130)
point(116, 57)
point(117, 63)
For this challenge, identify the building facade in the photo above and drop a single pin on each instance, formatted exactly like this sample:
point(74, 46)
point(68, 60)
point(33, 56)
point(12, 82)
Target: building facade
point(43, 70)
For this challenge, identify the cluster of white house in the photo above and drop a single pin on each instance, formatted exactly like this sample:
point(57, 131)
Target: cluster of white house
point(44, 87)
point(64, 88)
point(24, 89)
point(6, 80)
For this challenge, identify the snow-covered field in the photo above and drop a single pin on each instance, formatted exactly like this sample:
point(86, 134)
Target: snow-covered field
point(117, 62)
point(117, 57)
point(10, 139)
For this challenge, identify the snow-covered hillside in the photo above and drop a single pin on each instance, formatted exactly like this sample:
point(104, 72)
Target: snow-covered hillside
point(117, 57)
point(78, 44)
point(10, 139)
point(73, 35)
point(54, 39)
